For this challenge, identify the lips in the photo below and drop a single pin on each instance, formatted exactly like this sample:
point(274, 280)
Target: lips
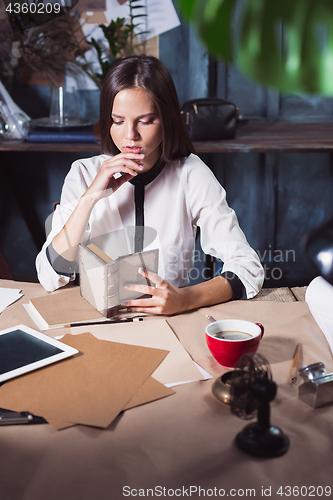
point(133, 149)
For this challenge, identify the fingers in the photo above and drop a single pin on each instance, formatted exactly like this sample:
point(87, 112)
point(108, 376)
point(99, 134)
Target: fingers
point(155, 278)
point(147, 289)
point(147, 310)
point(124, 161)
point(128, 164)
point(144, 289)
point(152, 305)
point(147, 302)
point(154, 291)
point(121, 180)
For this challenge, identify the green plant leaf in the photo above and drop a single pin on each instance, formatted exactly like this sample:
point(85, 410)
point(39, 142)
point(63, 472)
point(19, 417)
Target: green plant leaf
point(285, 44)
point(187, 7)
point(295, 60)
point(215, 26)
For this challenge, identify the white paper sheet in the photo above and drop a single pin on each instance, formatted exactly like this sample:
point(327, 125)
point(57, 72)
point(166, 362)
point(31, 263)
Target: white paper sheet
point(177, 368)
point(162, 17)
point(319, 297)
point(8, 296)
point(205, 375)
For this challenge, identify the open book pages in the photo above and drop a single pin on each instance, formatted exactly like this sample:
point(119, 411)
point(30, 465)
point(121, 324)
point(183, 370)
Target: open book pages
point(103, 280)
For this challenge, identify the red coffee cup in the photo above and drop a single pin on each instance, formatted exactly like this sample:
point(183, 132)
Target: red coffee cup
point(229, 339)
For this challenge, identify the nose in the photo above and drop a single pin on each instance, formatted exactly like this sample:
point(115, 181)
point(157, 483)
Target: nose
point(131, 132)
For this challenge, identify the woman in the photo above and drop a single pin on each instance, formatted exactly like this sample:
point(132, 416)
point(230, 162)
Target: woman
point(149, 177)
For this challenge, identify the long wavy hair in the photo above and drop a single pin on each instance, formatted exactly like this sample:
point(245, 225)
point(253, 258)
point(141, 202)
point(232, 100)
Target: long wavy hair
point(150, 74)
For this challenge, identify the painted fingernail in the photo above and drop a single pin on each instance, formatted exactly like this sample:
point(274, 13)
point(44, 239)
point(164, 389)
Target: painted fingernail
point(141, 270)
point(126, 286)
point(141, 154)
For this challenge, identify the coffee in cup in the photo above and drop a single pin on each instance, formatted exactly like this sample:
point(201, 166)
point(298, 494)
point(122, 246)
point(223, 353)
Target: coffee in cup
point(228, 340)
point(233, 335)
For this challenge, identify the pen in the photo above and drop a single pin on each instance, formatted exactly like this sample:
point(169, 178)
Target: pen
point(294, 368)
point(13, 417)
point(109, 322)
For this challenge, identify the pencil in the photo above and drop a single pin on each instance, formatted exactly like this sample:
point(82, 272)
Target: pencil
point(294, 368)
point(109, 322)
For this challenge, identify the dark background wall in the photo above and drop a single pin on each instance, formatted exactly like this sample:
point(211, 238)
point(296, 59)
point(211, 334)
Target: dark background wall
point(302, 183)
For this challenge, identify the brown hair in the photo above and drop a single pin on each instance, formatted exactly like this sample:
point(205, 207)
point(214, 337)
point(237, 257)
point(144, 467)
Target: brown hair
point(149, 73)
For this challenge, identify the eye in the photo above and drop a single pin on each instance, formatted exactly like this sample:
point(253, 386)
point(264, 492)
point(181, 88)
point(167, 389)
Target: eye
point(149, 122)
point(117, 123)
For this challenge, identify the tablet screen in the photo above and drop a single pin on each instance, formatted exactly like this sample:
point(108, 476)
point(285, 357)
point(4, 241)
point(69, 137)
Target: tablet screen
point(23, 349)
point(18, 348)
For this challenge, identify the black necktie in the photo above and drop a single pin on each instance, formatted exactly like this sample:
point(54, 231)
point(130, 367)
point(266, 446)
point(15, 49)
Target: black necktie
point(139, 182)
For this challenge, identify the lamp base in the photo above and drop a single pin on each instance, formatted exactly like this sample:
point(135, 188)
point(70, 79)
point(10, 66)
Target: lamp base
point(261, 441)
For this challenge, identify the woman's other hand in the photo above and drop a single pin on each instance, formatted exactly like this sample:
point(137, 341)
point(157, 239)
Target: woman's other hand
point(165, 297)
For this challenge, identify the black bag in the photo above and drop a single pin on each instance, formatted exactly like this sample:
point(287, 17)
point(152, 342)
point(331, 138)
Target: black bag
point(210, 119)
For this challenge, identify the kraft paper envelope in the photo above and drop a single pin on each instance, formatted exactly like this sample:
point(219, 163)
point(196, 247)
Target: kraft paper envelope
point(178, 367)
point(148, 392)
point(91, 388)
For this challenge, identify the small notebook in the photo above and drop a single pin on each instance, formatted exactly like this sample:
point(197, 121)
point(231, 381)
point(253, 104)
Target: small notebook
point(102, 279)
point(62, 136)
point(60, 308)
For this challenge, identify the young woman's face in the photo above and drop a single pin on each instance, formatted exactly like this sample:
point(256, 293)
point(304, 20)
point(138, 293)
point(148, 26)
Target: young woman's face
point(137, 126)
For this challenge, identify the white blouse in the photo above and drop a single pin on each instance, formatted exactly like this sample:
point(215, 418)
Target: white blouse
point(184, 196)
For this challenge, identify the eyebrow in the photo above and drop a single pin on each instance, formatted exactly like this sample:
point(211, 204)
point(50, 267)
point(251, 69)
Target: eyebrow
point(141, 116)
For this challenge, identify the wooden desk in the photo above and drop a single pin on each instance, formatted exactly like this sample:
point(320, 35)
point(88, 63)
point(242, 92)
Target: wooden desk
point(186, 440)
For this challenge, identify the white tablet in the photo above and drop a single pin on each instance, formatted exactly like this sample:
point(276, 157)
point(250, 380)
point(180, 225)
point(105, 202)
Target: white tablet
point(23, 349)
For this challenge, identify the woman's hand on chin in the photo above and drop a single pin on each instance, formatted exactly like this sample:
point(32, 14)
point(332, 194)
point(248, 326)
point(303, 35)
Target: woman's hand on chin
point(104, 184)
point(165, 298)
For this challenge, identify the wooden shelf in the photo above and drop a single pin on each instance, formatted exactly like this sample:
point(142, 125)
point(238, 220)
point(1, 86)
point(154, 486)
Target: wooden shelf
point(252, 137)
point(275, 137)
point(54, 147)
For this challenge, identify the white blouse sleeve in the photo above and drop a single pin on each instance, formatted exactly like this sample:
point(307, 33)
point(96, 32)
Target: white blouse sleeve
point(220, 233)
point(74, 186)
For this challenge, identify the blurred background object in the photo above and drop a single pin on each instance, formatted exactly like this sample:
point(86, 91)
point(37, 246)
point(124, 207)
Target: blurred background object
point(286, 44)
point(318, 247)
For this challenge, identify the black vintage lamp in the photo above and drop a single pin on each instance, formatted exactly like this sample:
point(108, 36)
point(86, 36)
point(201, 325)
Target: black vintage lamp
point(318, 248)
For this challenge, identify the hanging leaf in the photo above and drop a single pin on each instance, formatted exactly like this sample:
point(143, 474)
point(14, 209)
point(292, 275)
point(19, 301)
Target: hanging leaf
point(187, 8)
point(216, 26)
point(286, 44)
